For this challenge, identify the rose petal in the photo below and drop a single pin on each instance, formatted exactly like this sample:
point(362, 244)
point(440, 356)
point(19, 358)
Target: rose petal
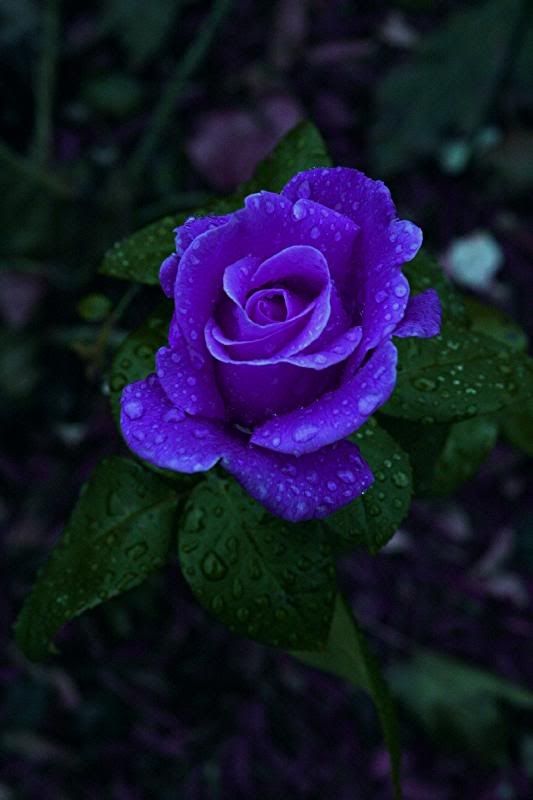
point(278, 224)
point(188, 380)
point(293, 488)
point(236, 326)
point(304, 266)
point(383, 244)
point(185, 234)
point(236, 277)
point(334, 352)
point(163, 435)
point(254, 393)
point(422, 316)
point(198, 285)
point(336, 414)
point(263, 350)
point(383, 301)
point(167, 273)
point(308, 487)
point(193, 227)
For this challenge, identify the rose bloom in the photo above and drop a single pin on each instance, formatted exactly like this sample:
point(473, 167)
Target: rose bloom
point(281, 342)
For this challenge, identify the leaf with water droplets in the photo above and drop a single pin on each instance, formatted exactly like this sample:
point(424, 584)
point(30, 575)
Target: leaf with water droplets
point(347, 655)
point(121, 530)
point(372, 519)
point(135, 358)
point(139, 256)
point(266, 579)
point(456, 375)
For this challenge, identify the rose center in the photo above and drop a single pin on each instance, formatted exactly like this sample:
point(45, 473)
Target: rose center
point(267, 305)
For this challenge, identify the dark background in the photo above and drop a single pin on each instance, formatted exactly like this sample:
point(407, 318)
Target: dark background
point(115, 113)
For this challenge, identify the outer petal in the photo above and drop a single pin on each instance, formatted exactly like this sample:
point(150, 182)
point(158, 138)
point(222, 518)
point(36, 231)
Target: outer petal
point(336, 414)
point(188, 381)
point(167, 273)
point(422, 316)
point(199, 282)
point(163, 435)
point(193, 227)
point(185, 234)
point(293, 488)
point(384, 243)
point(302, 488)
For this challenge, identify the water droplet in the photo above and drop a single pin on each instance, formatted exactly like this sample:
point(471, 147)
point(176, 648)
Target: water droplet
point(174, 415)
point(366, 405)
point(299, 211)
point(218, 604)
point(400, 479)
point(400, 290)
point(304, 189)
point(380, 296)
point(305, 432)
point(136, 551)
point(213, 566)
point(424, 384)
point(237, 589)
point(315, 233)
point(134, 409)
point(346, 475)
point(114, 504)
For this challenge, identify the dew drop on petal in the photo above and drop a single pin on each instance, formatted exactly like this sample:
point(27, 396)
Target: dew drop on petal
point(134, 409)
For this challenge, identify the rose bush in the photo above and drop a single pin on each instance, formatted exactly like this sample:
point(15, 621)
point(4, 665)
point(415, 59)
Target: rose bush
point(280, 345)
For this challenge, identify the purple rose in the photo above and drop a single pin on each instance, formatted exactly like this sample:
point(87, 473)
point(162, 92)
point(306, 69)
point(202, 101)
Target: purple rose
point(281, 341)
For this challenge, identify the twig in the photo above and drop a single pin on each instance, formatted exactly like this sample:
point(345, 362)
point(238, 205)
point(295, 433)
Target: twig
point(184, 68)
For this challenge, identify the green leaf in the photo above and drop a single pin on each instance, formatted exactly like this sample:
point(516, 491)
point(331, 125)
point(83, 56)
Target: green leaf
point(454, 376)
point(371, 520)
point(495, 323)
point(443, 456)
point(121, 530)
point(347, 656)
point(138, 257)
point(447, 88)
point(457, 704)
point(467, 446)
point(424, 272)
point(517, 423)
point(264, 578)
point(135, 358)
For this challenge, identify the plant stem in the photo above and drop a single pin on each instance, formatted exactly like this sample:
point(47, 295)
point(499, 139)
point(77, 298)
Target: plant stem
point(192, 58)
point(45, 84)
